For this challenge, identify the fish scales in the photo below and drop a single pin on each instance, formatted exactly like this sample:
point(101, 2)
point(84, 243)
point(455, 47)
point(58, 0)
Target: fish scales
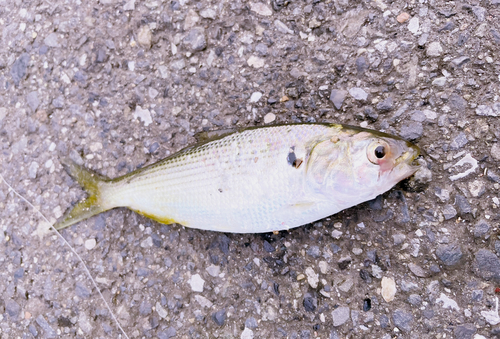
point(256, 180)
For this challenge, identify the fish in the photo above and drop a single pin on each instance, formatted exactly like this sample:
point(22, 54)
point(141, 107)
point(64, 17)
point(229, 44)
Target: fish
point(254, 180)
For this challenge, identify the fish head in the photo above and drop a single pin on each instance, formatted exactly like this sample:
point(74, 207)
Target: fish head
point(358, 165)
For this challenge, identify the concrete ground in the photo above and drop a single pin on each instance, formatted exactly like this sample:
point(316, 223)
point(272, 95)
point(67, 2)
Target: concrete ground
point(120, 84)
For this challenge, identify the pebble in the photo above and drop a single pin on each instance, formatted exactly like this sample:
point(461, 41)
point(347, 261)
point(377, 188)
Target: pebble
point(388, 289)
point(340, 316)
point(255, 97)
point(465, 331)
point(19, 68)
point(462, 204)
point(261, 9)
point(412, 131)
point(459, 141)
point(477, 188)
point(310, 302)
point(144, 36)
point(415, 299)
point(162, 312)
point(32, 100)
point(434, 49)
point(145, 308)
point(403, 17)
point(251, 323)
point(191, 20)
point(255, 62)
point(418, 271)
point(448, 303)
point(485, 110)
point(81, 290)
point(312, 277)
point(314, 251)
point(33, 169)
point(48, 330)
point(247, 334)
point(296, 73)
point(269, 117)
point(449, 212)
point(90, 244)
point(213, 270)
point(219, 317)
point(204, 302)
point(58, 102)
point(208, 13)
point(495, 151)
point(143, 114)
point(52, 40)
point(195, 40)
point(358, 93)
point(487, 265)
point(337, 97)
point(146, 243)
point(168, 333)
point(449, 254)
point(413, 25)
point(281, 27)
point(196, 282)
point(460, 61)
point(440, 82)
point(12, 308)
point(402, 320)
point(385, 105)
point(129, 5)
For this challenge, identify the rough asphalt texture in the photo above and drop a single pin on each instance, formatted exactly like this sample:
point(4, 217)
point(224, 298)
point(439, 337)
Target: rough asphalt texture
point(117, 85)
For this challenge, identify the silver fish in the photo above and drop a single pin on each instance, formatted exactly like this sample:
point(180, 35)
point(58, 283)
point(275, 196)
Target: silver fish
point(255, 180)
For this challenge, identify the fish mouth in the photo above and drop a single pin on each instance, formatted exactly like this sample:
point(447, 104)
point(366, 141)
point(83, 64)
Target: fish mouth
point(407, 159)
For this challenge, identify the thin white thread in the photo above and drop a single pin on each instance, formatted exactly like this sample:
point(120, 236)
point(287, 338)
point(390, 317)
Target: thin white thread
point(72, 250)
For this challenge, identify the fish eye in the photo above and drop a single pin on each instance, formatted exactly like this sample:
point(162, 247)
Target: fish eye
point(377, 151)
point(380, 152)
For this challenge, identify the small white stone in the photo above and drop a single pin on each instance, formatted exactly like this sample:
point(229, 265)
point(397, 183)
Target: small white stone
point(312, 277)
point(213, 270)
point(196, 283)
point(148, 242)
point(280, 26)
point(388, 289)
point(255, 62)
point(90, 244)
point(255, 97)
point(152, 92)
point(208, 13)
point(163, 71)
point(204, 302)
point(143, 114)
point(434, 49)
point(336, 234)
point(358, 93)
point(448, 302)
point(431, 115)
point(261, 9)
point(161, 311)
point(269, 117)
point(439, 81)
point(131, 66)
point(413, 25)
point(323, 267)
point(144, 36)
point(129, 6)
point(191, 20)
point(247, 333)
point(357, 251)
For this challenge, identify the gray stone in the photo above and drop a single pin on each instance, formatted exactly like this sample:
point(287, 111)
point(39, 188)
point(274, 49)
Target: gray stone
point(487, 265)
point(12, 308)
point(19, 68)
point(412, 131)
point(314, 251)
point(145, 308)
point(459, 62)
point(261, 49)
point(449, 254)
point(52, 40)
point(58, 102)
point(415, 299)
point(195, 40)
point(337, 97)
point(462, 204)
point(479, 12)
point(385, 105)
point(48, 330)
point(481, 229)
point(208, 13)
point(32, 100)
point(465, 331)
point(459, 141)
point(81, 290)
point(361, 65)
point(418, 116)
point(251, 323)
point(177, 65)
point(457, 103)
point(495, 151)
point(168, 333)
point(449, 212)
point(340, 316)
point(219, 317)
point(358, 93)
point(477, 295)
point(485, 110)
point(402, 320)
point(33, 169)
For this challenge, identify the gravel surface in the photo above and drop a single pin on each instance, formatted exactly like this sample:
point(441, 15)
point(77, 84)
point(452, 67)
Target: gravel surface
point(116, 85)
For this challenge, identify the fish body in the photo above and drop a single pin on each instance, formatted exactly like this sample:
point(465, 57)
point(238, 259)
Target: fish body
point(255, 180)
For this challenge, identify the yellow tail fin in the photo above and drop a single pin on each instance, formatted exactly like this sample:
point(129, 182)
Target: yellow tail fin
point(92, 205)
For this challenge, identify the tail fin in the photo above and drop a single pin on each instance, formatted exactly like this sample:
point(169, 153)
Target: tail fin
point(92, 205)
